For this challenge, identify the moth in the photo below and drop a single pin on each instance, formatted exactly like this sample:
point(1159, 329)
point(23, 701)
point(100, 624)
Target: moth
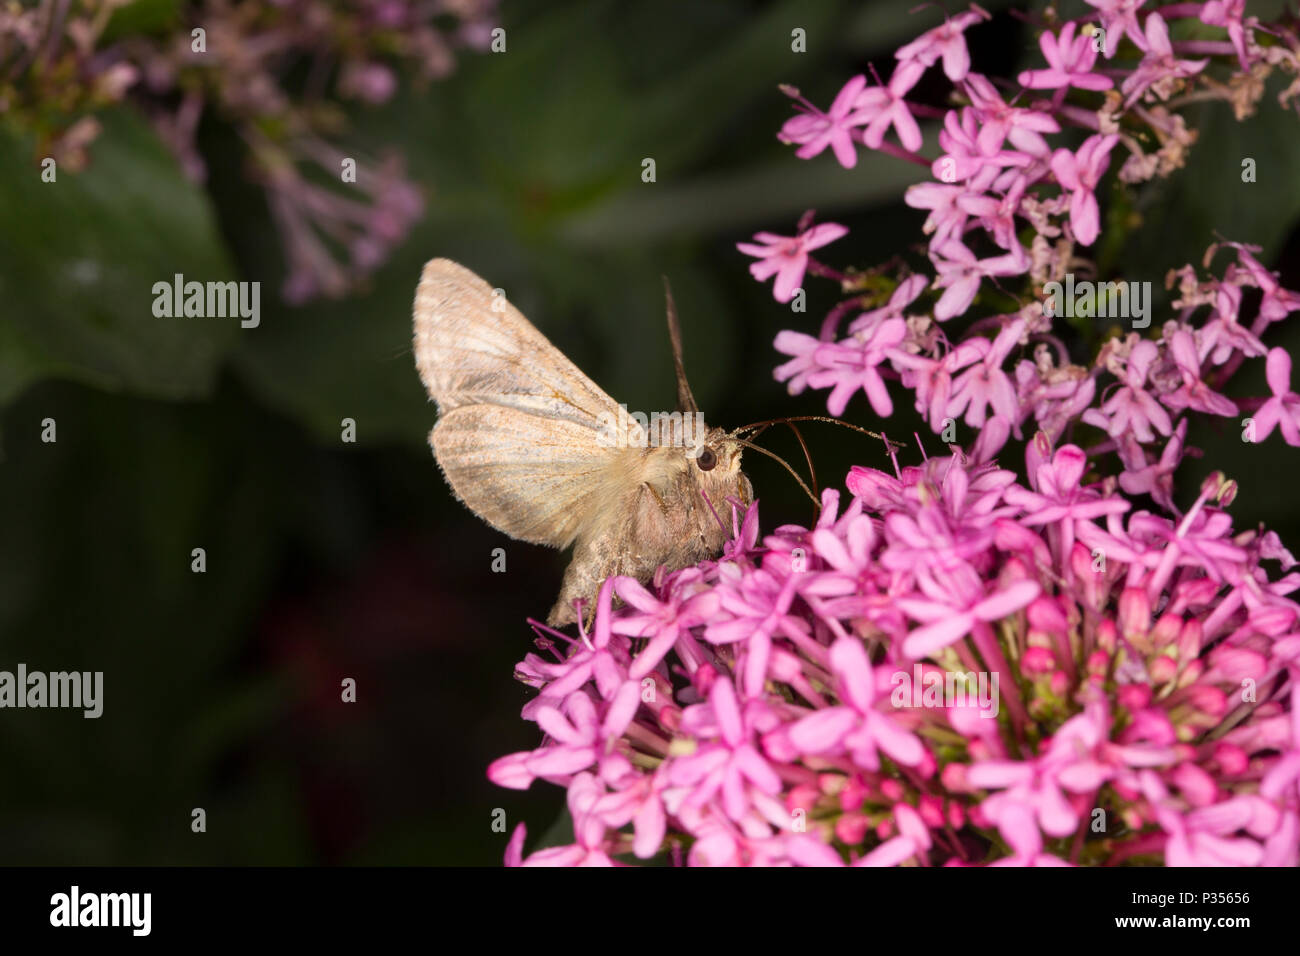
point(537, 450)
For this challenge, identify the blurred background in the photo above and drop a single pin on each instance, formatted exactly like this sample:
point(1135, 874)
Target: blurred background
point(328, 559)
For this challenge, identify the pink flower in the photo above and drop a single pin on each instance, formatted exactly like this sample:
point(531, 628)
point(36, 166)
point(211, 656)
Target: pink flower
point(947, 218)
point(661, 621)
point(786, 257)
point(1193, 393)
point(1002, 122)
point(1079, 173)
point(1198, 839)
point(1283, 409)
point(959, 273)
point(1057, 396)
point(1277, 302)
point(815, 130)
point(1202, 539)
point(1070, 60)
point(1229, 14)
point(1159, 69)
point(805, 349)
point(1059, 494)
point(997, 215)
point(597, 659)
point(969, 155)
point(947, 40)
point(1032, 793)
point(590, 846)
point(1131, 407)
point(883, 106)
point(853, 364)
point(580, 733)
point(949, 617)
point(932, 379)
point(1222, 336)
point(1157, 480)
point(756, 610)
point(1119, 17)
point(1020, 831)
point(730, 766)
point(855, 726)
point(641, 803)
point(986, 385)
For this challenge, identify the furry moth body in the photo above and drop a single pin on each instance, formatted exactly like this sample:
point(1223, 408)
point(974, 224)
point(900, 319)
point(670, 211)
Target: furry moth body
point(523, 439)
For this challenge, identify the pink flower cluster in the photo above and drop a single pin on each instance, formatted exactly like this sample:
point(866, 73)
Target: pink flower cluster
point(1009, 212)
point(789, 703)
point(961, 664)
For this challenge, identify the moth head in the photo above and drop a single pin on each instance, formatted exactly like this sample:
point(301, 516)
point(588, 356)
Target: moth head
point(718, 455)
point(715, 465)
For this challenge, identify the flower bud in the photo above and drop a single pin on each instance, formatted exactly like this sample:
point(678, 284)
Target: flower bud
point(1166, 631)
point(851, 828)
point(1134, 697)
point(1037, 661)
point(1210, 701)
point(1232, 760)
point(930, 807)
point(1163, 669)
point(1134, 613)
point(1107, 636)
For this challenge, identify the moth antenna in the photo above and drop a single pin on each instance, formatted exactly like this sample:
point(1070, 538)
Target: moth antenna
point(812, 470)
point(784, 464)
point(685, 400)
point(891, 445)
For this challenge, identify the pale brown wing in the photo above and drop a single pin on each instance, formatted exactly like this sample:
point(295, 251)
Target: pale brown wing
point(523, 436)
point(536, 479)
point(470, 353)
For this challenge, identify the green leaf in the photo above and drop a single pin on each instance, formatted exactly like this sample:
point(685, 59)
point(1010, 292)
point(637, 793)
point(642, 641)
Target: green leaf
point(142, 17)
point(1208, 200)
point(78, 260)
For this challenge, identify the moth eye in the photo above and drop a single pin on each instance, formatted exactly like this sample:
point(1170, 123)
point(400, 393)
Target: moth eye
point(707, 460)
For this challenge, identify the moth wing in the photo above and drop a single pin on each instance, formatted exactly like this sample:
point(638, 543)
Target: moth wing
point(536, 479)
point(474, 348)
point(519, 425)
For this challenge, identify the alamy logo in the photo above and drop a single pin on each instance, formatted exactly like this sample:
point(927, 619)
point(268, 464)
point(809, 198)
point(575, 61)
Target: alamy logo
point(658, 429)
point(214, 300)
point(75, 908)
point(1102, 300)
point(933, 688)
point(75, 689)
